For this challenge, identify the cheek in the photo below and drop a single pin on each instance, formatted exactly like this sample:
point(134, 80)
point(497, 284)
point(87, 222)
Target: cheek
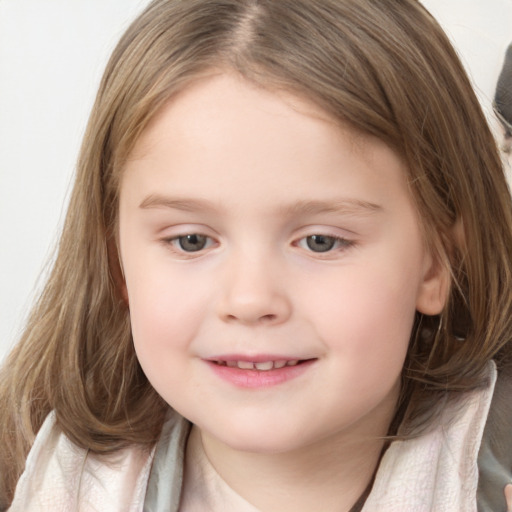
point(163, 323)
point(165, 311)
point(366, 333)
point(365, 316)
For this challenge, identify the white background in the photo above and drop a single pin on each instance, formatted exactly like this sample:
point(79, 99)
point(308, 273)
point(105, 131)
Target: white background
point(52, 54)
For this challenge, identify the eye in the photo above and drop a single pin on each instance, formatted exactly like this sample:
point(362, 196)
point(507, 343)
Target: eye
point(193, 242)
point(323, 243)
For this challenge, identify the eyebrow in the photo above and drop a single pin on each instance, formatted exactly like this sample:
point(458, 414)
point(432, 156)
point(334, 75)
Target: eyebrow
point(304, 207)
point(338, 206)
point(184, 204)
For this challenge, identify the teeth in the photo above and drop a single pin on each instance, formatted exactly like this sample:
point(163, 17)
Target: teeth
point(245, 365)
point(264, 366)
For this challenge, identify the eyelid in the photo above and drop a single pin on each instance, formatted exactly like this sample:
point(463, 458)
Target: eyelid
point(176, 239)
point(170, 241)
point(339, 240)
point(343, 242)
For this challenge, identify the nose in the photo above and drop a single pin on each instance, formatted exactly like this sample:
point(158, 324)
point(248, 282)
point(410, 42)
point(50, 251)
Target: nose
point(253, 292)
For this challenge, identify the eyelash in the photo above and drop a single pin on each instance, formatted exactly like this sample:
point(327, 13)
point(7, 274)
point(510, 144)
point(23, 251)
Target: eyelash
point(334, 244)
point(175, 243)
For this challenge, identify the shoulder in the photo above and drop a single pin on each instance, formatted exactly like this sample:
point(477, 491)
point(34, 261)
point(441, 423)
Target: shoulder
point(495, 456)
point(439, 465)
point(61, 476)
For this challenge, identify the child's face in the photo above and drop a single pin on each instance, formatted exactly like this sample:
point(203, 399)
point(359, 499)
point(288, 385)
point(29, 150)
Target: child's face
point(254, 230)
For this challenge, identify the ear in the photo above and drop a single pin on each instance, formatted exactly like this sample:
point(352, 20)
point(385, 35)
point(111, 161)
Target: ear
point(116, 270)
point(435, 287)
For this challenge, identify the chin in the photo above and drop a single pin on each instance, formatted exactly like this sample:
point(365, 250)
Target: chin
point(262, 439)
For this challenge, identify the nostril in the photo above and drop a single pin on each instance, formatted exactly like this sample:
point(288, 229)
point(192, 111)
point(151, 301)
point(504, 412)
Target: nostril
point(262, 319)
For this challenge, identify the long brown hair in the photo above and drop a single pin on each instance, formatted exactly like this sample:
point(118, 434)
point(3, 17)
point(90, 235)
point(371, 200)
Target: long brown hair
point(383, 67)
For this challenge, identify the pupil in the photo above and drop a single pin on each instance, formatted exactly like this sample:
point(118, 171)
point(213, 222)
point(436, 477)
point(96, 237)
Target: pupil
point(192, 243)
point(320, 243)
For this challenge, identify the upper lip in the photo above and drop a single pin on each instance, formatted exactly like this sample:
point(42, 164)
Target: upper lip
point(256, 358)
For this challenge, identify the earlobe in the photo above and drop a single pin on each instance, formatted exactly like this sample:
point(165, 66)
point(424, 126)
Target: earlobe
point(123, 290)
point(436, 286)
point(434, 289)
point(116, 270)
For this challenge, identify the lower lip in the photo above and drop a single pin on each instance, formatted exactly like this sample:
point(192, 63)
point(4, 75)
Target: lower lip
point(259, 378)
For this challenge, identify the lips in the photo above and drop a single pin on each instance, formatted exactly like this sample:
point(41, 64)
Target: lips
point(262, 371)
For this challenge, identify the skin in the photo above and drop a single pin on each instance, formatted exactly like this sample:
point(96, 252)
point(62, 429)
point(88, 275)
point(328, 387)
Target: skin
point(259, 173)
point(508, 497)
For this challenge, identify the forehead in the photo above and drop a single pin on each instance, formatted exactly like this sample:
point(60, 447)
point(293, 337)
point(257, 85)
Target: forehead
point(208, 96)
point(223, 132)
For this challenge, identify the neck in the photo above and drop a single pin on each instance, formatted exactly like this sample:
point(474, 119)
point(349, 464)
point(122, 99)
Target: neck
point(329, 475)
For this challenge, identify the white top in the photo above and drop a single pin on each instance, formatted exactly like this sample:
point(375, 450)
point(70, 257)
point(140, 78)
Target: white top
point(203, 488)
point(60, 477)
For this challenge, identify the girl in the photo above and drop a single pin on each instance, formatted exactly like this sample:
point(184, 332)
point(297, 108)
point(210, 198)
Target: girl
point(284, 281)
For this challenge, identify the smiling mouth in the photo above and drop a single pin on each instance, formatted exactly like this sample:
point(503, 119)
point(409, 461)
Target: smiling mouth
point(264, 366)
